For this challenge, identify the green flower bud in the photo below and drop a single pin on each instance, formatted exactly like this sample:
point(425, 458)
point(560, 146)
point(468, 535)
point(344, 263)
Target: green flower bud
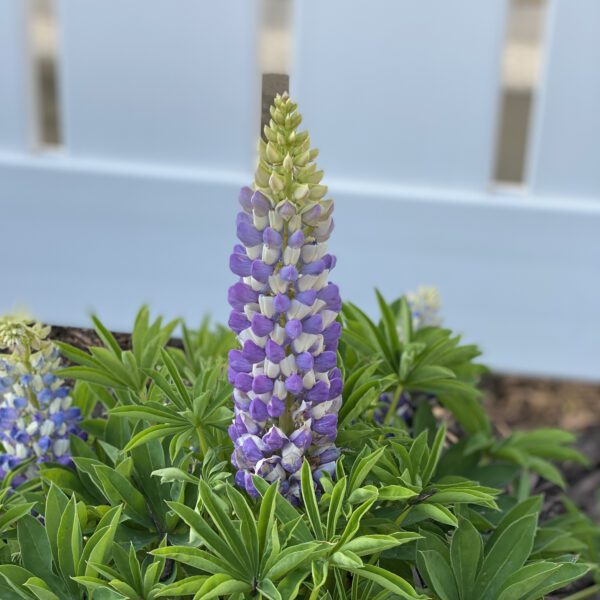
point(276, 183)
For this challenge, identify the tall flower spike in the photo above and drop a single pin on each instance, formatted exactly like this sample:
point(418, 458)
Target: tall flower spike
point(36, 412)
point(287, 387)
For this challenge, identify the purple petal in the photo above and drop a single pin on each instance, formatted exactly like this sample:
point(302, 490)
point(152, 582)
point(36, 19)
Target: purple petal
point(313, 268)
point(313, 324)
point(319, 393)
point(302, 438)
point(241, 294)
point(330, 261)
point(325, 361)
point(238, 363)
point(240, 264)
point(294, 384)
point(261, 385)
point(260, 204)
point(330, 294)
point(310, 216)
point(246, 198)
point(252, 352)
point(272, 238)
point(248, 234)
point(335, 388)
point(261, 325)
point(326, 426)
point(286, 209)
point(308, 297)
point(332, 333)
point(243, 382)
point(275, 407)
point(258, 410)
point(293, 328)
point(274, 439)
point(281, 303)
point(305, 361)
point(289, 273)
point(261, 271)
point(274, 352)
point(296, 239)
point(238, 321)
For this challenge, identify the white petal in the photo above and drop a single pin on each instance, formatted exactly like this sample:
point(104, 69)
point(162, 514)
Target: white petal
point(275, 220)
point(288, 365)
point(254, 252)
point(271, 369)
point(266, 306)
point(260, 222)
point(270, 255)
point(308, 381)
point(297, 310)
point(279, 389)
point(306, 282)
point(278, 334)
point(251, 309)
point(291, 255)
point(329, 316)
point(322, 280)
point(309, 253)
point(278, 285)
point(295, 223)
point(256, 285)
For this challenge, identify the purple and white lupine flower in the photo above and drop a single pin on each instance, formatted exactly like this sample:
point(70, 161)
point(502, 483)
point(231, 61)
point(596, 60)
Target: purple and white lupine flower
point(425, 306)
point(287, 387)
point(37, 415)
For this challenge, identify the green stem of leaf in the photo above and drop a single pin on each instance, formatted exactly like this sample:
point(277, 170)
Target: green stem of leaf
point(202, 441)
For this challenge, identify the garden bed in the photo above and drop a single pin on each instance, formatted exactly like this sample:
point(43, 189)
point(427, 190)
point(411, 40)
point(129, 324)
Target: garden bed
point(513, 402)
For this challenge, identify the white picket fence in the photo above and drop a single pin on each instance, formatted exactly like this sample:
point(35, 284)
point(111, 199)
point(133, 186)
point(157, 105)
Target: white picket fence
point(160, 106)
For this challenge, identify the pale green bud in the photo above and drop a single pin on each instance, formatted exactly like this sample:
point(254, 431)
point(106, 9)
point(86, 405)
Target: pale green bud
point(300, 192)
point(318, 191)
point(276, 183)
point(288, 163)
point(273, 155)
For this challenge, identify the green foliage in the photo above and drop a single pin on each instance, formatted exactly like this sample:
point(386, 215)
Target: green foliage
point(431, 506)
point(429, 360)
point(468, 566)
point(54, 553)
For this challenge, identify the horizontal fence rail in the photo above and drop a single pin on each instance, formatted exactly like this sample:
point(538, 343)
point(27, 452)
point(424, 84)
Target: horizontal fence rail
point(160, 111)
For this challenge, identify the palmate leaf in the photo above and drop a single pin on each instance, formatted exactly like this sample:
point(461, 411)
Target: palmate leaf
point(501, 568)
point(122, 371)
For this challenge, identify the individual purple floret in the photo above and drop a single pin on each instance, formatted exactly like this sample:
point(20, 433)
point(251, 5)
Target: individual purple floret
point(36, 413)
point(287, 388)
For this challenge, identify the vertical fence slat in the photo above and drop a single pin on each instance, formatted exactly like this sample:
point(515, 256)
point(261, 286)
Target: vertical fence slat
point(403, 92)
point(13, 76)
point(564, 158)
point(175, 83)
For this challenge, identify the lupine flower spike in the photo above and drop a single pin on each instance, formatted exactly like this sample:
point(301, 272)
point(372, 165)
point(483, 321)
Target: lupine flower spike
point(287, 387)
point(36, 412)
point(425, 306)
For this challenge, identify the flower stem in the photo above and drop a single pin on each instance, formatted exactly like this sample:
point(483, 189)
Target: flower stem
point(587, 593)
point(393, 406)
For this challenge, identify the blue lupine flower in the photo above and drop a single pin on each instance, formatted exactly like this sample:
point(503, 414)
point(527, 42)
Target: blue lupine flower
point(36, 412)
point(425, 306)
point(287, 388)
